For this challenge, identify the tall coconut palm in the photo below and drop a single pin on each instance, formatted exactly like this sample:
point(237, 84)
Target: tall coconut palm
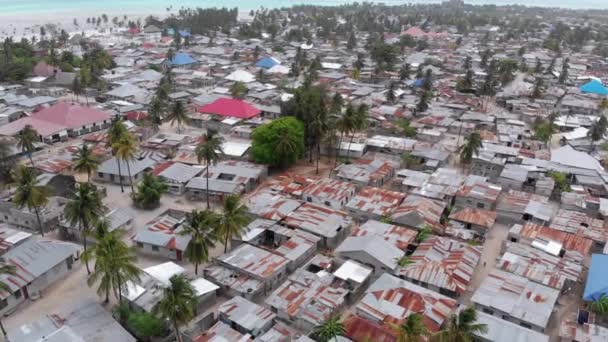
point(156, 112)
point(26, 140)
point(359, 124)
point(86, 162)
point(126, 148)
point(201, 227)
point(83, 210)
point(178, 115)
point(462, 327)
point(178, 303)
point(115, 264)
point(412, 330)
point(597, 131)
point(116, 133)
point(346, 125)
point(286, 146)
point(318, 127)
point(233, 221)
point(8, 270)
point(210, 150)
point(470, 148)
point(29, 193)
point(329, 330)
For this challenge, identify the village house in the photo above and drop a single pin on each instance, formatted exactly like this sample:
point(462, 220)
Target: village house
point(516, 299)
point(539, 266)
point(512, 205)
point(332, 226)
point(419, 212)
point(267, 268)
point(384, 302)
point(373, 203)
point(176, 175)
point(479, 221)
point(271, 205)
point(400, 237)
point(480, 195)
point(161, 236)
point(443, 265)
point(372, 251)
point(246, 317)
point(500, 330)
point(119, 218)
point(50, 215)
point(38, 263)
point(108, 170)
point(306, 299)
point(248, 174)
point(375, 172)
point(333, 193)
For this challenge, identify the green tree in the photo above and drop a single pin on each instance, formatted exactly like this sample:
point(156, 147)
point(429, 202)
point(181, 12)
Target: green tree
point(157, 111)
point(210, 150)
point(563, 76)
point(598, 130)
point(405, 126)
point(412, 330)
point(86, 161)
point(360, 122)
point(116, 133)
point(543, 130)
point(83, 210)
point(390, 93)
point(561, 181)
point(462, 327)
point(538, 90)
point(26, 141)
point(423, 102)
point(234, 220)
point(424, 233)
point(345, 125)
point(506, 69)
point(29, 193)
point(278, 143)
point(178, 115)
point(149, 191)
point(600, 305)
point(178, 303)
point(115, 264)
point(329, 329)
point(470, 148)
point(9, 270)
point(146, 325)
point(405, 72)
point(126, 148)
point(76, 87)
point(238, 90)
point(202, 228)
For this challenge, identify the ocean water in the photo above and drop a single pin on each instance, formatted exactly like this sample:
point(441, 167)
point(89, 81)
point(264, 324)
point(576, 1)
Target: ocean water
point(53, 7)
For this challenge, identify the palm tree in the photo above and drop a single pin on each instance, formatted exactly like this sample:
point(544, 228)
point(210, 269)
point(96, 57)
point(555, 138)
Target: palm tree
point(86, 162)
point(125, 150)
point(116, 133)
point(234, 220)
point(178, 115)
point(76, 87)
point(600, 305)
point(359, 124)
point(156, 112)
point(329, 330)
point(29, 193)
point(390, 93)
point(210, 150)
point(346, 125)
point(470, 148)
point(26, 140)
point(462, 327)
point(201, 227)
point(149, 191)
point(598, 130)
point(178, 303)
point(286, 146)
point(238, 90)
point(115, 264)
point(412, 330)
point(318, 126)
point(7, 270)
point(83, 210)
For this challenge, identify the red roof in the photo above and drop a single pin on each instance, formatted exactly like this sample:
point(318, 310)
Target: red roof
point(231, 108)
point(56, 118)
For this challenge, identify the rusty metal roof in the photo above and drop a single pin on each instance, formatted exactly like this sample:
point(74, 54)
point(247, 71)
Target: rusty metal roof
point(580, 224)
point(478, 217)
point(318, 219)
point(376, 201)
point(254, 261)
point(570, 242)
point(399, 236)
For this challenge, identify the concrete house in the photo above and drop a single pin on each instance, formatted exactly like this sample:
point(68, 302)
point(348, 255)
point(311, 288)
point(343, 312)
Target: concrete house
point(516, 299)
point(398, 236)
point(374, 203)
point(108, 170)
point(479, 195)
point(479, 221)
point(248, 174)
point(367, 172)
point(443, 265)
point(50, 216)
point(177, 175)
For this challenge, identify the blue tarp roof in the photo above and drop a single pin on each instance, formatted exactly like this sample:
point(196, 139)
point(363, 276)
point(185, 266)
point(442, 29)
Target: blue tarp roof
point(597, 279)
point(419, 82)
point(594, 87)
point(182, 59)
point(266, 62)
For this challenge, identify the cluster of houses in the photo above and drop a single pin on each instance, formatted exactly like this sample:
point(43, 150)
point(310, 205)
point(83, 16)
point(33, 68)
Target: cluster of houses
point(379, 239)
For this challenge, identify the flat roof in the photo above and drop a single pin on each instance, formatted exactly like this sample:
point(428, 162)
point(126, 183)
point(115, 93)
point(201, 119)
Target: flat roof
point(163, 272)
point(352, 270)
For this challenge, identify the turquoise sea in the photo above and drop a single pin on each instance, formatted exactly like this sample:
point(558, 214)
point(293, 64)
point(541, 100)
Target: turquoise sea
point(52, 7)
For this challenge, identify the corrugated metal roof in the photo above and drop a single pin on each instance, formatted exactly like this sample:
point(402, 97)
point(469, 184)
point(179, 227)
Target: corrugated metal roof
point(255, 261)
point(246, 314)
point(376, 201)
point(398, 236)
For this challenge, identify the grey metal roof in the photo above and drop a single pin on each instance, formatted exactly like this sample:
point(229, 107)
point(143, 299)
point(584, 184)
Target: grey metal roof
point(376, 247)
point(180, 173)
point(136, 165)
point(215, 185)
point(119, 217)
